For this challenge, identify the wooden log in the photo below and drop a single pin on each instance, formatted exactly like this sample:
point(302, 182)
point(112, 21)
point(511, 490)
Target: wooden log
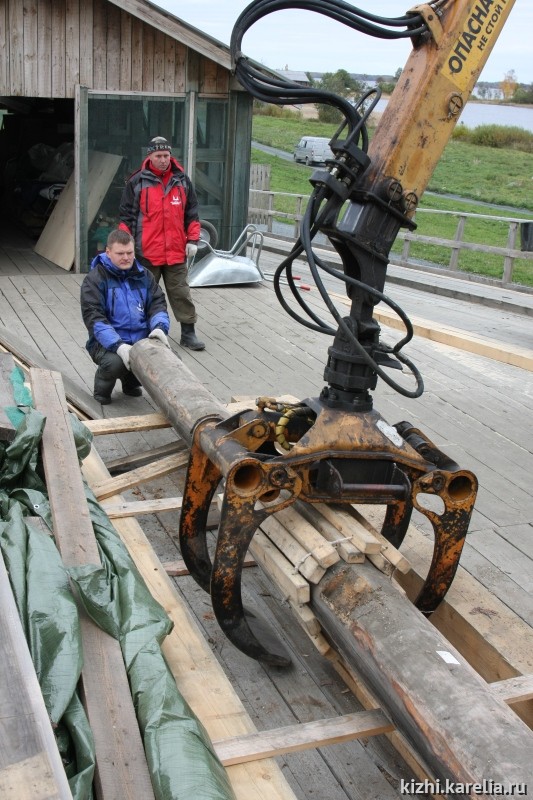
point(429, 690)
point(176, 390)
point(494, 640)
point(295, 738)
point(30, 764)
point(121, 765)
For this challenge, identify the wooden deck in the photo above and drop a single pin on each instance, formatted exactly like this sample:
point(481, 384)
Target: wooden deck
point(477, 409)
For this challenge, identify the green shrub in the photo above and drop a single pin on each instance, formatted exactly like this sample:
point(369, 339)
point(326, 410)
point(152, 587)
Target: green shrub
point(280, 112)
point(502, 137)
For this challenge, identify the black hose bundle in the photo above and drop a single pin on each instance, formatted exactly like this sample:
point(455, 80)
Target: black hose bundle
point(269, 89)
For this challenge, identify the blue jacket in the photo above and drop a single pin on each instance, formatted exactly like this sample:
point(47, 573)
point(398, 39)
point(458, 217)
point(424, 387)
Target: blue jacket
point(120, 306)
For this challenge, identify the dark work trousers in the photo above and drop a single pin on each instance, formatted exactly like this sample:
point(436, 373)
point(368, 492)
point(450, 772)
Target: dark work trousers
point(178, 291)
point(110, 369)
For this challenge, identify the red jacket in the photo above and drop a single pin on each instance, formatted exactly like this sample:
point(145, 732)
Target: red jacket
point(161, 217)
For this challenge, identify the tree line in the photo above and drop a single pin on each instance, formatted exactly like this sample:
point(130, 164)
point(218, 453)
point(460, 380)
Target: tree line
point(345, 85)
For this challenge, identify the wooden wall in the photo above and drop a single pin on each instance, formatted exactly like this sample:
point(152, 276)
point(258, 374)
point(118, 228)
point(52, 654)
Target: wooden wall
point(52, 45)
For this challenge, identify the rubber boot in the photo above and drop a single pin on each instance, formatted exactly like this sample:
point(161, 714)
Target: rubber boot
point(103, 386)
point(189, 338)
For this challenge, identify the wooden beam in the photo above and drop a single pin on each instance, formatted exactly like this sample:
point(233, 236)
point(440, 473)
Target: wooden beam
point(133, 478)
point(121, 765)
point(30, 764)
point(307, 735)
point(140, 422)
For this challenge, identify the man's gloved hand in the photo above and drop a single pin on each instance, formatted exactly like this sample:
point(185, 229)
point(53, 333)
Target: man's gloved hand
point(191, 248)
point(157, 333)
point(123, 351)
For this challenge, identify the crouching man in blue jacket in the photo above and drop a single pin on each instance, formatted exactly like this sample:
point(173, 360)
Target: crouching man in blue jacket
point(120, 304)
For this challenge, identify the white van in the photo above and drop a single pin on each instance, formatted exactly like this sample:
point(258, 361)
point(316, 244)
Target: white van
point(312, 150)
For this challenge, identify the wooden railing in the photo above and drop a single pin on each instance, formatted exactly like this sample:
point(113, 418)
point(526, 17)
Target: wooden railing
point(267, 206)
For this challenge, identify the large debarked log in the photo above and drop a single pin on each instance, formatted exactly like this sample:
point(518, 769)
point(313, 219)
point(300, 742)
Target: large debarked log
point(431, 693)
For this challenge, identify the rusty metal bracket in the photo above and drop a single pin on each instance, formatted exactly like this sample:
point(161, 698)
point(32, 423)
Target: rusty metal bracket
point(370, 462)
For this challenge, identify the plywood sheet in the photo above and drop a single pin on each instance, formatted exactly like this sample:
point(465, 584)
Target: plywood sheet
point(57, 241)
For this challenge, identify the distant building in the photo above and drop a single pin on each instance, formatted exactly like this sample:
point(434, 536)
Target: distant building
point(295, 76)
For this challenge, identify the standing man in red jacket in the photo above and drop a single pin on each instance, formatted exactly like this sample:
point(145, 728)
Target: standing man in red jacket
point(159, 208)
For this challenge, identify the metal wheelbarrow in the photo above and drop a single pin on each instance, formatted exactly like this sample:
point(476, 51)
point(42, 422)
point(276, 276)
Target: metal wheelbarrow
point(224, 267)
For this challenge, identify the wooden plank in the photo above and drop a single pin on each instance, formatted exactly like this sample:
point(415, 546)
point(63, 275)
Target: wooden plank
point(126, 52)
point(514, 690)
point(302, 560)
point(7, 365)
point(292, 584)
point(176, 569)
point(141, 422)
point(58, 51)
point(343, 544)
point(310, 539)
point(136, 476)
point(137, 508)
point(304, 736)
point(57, 240)
point(306, 618)
point(113, 40)
point(122, 770)
point(72, 43)
point(157, 506)
point(31, 33)
point(344, 523)
point(16, 49)
point(360, 515)
point(133, 460)
point(199, 676)
point(30, 764)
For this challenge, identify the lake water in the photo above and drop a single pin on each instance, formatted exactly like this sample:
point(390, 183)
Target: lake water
point(475, 114)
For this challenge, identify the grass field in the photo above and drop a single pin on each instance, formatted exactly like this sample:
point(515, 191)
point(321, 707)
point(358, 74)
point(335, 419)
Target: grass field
point(477, 174)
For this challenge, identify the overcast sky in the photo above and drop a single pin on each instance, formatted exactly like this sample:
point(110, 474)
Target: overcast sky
point(303, 40)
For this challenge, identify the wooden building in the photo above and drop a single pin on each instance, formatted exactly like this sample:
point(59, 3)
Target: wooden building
point(84, 86)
